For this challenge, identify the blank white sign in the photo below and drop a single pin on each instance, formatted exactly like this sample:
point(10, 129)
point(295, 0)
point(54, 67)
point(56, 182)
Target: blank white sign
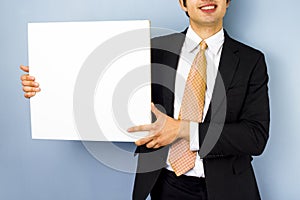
point(93, 87)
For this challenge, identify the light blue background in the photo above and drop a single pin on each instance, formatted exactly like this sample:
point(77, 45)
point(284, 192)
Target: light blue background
point(47, 170)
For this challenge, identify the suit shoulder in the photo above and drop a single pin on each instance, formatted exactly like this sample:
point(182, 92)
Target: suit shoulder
point(166, 37)
point(167, 40)
point(246, 49)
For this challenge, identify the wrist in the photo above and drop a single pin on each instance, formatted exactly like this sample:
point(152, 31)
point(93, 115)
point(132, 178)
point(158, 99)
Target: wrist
point(184, 130)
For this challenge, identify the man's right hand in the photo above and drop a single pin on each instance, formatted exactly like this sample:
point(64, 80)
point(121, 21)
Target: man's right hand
point(30, 87)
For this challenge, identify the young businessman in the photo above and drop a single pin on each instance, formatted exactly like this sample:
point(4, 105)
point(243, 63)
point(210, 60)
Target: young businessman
point(225, 172)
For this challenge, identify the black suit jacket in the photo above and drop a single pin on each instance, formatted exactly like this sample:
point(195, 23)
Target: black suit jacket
point(235, 128)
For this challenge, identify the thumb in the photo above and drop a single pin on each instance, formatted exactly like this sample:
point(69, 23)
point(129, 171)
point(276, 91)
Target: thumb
point(156, 112)
point(24, 68)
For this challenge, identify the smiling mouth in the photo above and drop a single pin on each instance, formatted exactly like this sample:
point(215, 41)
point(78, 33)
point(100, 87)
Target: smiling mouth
point(208, 7)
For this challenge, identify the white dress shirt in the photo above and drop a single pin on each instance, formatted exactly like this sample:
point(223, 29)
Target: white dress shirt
point(188, 52)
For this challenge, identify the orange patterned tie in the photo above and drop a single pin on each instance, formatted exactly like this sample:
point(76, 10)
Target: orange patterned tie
point(180, 157)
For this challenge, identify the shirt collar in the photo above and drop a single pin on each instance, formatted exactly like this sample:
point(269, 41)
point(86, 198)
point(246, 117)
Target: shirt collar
point(214, 42)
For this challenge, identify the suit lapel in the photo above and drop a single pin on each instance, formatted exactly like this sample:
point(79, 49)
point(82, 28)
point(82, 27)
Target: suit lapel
point(171, 54)
point(229, 61)
point(227, 67)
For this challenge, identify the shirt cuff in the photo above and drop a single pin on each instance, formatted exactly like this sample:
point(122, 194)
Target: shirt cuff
point(194, 136)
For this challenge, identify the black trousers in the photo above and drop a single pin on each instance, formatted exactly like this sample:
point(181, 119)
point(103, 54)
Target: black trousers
point(171, 187)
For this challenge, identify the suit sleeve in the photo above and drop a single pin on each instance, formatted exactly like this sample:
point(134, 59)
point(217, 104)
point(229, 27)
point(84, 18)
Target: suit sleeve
point(249, 134)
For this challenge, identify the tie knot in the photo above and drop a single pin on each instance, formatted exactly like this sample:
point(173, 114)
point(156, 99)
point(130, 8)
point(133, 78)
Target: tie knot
point(203, 45)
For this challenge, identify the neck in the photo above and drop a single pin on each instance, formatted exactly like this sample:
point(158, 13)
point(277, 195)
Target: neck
point(205, 32)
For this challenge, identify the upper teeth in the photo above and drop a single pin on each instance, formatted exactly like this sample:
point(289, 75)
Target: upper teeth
point(208, 7)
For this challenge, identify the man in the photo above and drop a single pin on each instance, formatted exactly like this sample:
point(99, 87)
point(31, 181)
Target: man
point(233, 105)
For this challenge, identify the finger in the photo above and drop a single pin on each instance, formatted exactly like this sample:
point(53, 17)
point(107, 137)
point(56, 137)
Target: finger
point(24, 68)
point(144, 140)
point(145, 127)
point(26, 77)
point(156, 146)
point(31, 89)
point(29, 94)
point(152, 144)
point(30, 83)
